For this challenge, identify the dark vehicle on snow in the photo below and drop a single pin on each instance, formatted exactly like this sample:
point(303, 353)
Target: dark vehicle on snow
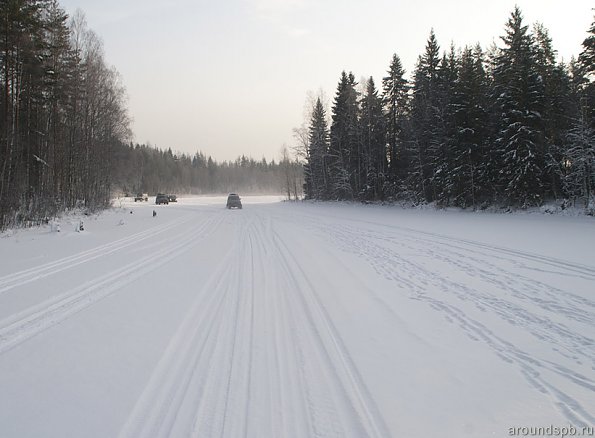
point(233, 201)
point(161, 199)
point(140, 197)
point(172, 198)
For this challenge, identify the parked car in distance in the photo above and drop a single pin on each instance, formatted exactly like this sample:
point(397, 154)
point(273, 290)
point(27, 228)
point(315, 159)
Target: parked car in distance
point(172, 198)
point(161, 199)
point(233, 201)
point(140, 197)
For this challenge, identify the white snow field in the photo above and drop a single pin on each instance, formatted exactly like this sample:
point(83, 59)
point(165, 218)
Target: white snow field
point(297, 320)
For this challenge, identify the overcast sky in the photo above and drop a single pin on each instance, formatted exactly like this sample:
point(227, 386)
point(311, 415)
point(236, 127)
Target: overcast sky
point(231, 77)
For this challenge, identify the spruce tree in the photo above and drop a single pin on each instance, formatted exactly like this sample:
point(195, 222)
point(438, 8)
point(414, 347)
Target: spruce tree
point(519, 96)
point(556, 108)
point(425, 120)
point(587, 64)
point(396, 104)
point(374, 145)
point(316, 175)
point(345, 161)
point(442, 145)
point(579, 162)
point(587, 56)
point(470, 115)
point(578, 170)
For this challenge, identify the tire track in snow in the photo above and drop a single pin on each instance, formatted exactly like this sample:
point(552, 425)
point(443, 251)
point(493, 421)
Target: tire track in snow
point(261, 370)
point(386, 255)
point(417, 278)
point(585, 271)
point(558, 302)
point(206, 380)
point(181, 397)
point(228, 390)
point(530, 367)
point(20, 327)
point(288, 404)
point(389, 261)
point(356, 413)
point(25, 276)
point(255, 357)
point(237, 399)
point(481, 265)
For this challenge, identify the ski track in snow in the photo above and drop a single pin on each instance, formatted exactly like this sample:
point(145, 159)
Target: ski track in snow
point(25, 276)
point(525, 302)
point(256, 335)
point(24, 325)
point(257, 353)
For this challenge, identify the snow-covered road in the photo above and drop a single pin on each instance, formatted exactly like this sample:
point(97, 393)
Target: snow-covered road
point(297, 320)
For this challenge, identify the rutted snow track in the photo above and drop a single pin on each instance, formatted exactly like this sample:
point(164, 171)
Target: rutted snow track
point(25, 276)
point(295, 321)
point(522, 299)
point(257, 355)
point(32, 321)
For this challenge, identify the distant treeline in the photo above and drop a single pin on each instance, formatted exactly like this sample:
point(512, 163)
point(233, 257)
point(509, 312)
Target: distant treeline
point(144, 169)
point(510, 127)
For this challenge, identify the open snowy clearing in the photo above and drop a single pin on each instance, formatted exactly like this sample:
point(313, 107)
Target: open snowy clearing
point(297, 320)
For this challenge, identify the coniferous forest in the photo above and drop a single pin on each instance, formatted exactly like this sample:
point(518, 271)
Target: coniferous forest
point(510, 127)
point(141, 168)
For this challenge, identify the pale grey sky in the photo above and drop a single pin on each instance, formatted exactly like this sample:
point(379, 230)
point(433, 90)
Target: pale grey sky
point(230, 77)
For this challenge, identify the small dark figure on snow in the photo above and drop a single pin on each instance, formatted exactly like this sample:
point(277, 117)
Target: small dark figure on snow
point(81, 227)
point(154, 213)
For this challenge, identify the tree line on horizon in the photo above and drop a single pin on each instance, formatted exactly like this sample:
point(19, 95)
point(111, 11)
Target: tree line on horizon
point(146, 169)
point(511, 127)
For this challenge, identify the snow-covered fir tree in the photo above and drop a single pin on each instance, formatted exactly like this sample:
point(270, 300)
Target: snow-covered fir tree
point(442, 144)
point(425, 119)
point(474, 128)
point(395, 98)
point(587, 56)
point(374, 146)
point(578, 173)
point(316, 174)
point(345, 160)
point(471, 129)
point(587, 66)
point(579, 162)
point(518, 91)
point(556, 108)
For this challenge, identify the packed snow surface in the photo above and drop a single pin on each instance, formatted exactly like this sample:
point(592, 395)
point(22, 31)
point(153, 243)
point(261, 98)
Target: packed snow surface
point(296, 320)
